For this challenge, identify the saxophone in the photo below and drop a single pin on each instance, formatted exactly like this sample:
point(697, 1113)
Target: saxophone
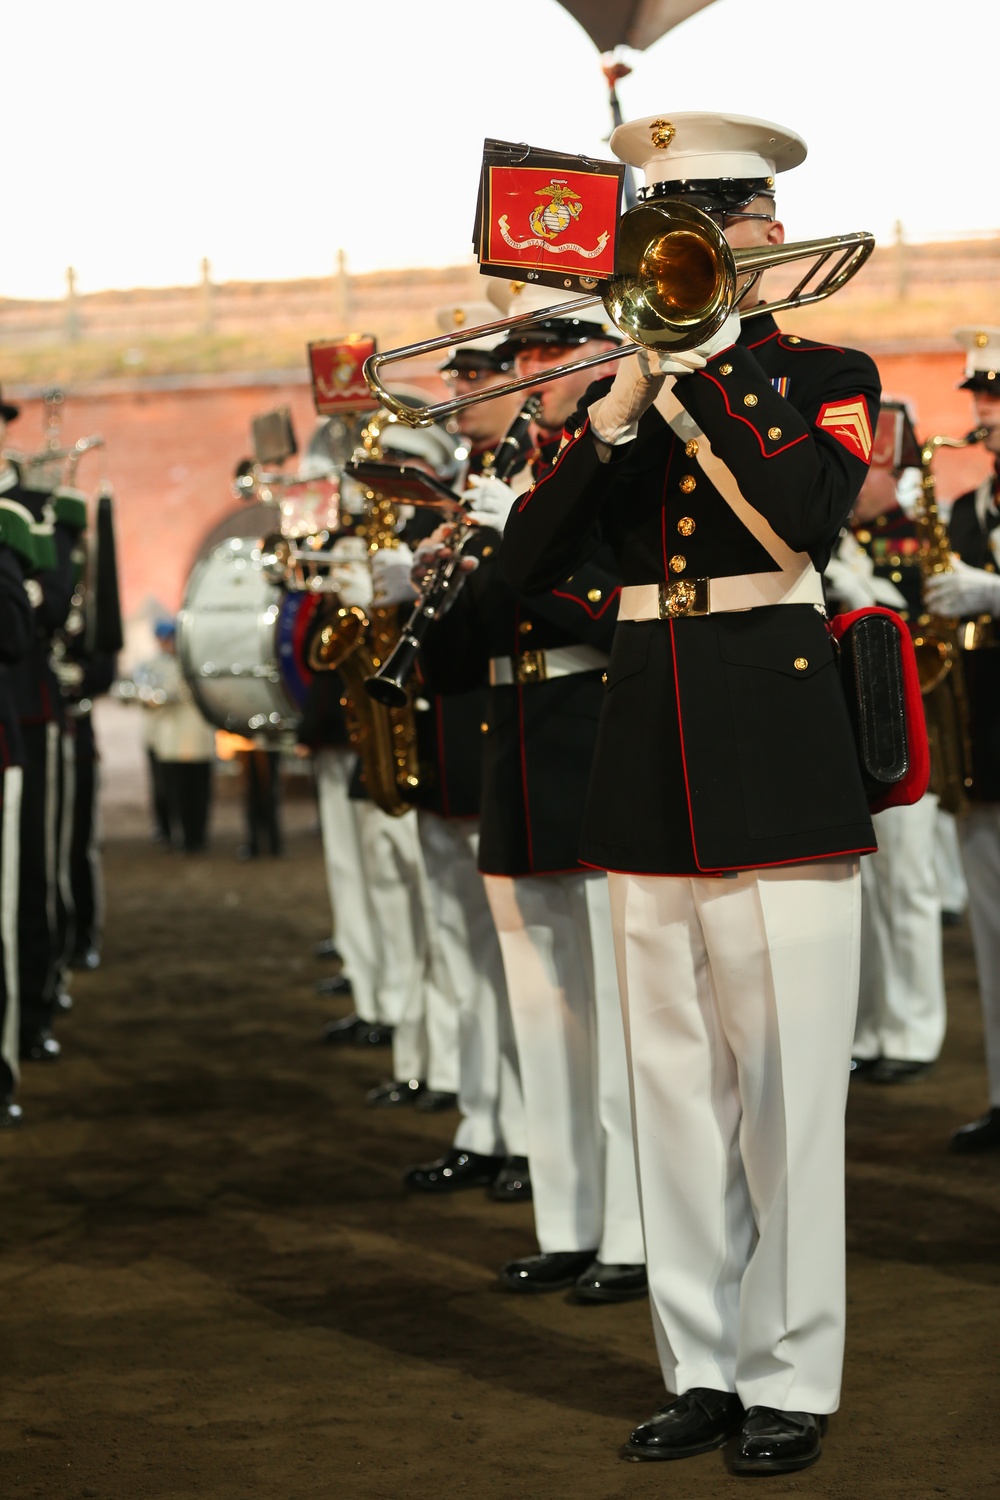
point(355, 642)
point(936, 643)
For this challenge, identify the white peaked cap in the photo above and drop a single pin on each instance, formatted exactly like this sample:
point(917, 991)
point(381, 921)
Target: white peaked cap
point(462, 315)
point(686, 147)
point(982, 354)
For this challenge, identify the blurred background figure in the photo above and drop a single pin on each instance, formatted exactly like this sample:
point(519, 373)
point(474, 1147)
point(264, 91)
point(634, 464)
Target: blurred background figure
point(181, 746)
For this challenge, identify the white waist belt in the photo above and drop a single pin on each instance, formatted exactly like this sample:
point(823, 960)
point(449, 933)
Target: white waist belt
point(540, 666)
point(711, 596)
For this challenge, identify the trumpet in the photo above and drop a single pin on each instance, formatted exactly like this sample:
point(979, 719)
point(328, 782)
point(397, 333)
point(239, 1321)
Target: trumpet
point(388, 684)
point(676, 284)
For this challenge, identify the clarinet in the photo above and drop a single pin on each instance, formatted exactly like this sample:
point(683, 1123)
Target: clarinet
point(389, 683)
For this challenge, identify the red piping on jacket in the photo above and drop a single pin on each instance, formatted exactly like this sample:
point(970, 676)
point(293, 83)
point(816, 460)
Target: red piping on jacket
point(559, 458)
point(740, 418)
point(680, 736)
point(797, 348)
point(718, 872)
point(595, 614)
point(775, 335)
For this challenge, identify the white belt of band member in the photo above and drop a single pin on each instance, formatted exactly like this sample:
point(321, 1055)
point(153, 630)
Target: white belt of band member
point(710, 596)
point(542, 666)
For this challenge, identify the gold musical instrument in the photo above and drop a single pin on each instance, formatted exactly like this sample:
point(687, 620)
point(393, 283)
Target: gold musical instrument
point(677, 281)
point(936, 642)
point(355, 642)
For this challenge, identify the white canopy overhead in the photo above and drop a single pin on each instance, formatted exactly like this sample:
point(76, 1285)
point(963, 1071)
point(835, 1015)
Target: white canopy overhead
point(632, 23)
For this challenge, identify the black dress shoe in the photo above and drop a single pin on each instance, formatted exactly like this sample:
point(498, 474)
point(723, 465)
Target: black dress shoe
point(602, 1283)
point(432, 1101)
point(39, 1046)
point(778, 1442)
point(371, 1034)
point(335, 984)
point(64, 1000)
point(85, 958)
point(982, 1135)
point(10, 1114)
point(513, 1182)
point(453, 1171)
point(951, 919)
point(697, 1422)
point(329, 950)
point(395, 1092)
point(898, 1070)
point(545, 1273)
point(864, 1067)
point(340, 1033)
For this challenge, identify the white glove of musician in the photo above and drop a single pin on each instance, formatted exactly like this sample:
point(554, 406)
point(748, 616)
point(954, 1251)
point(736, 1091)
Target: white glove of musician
point(490, 501)
point(391, 569)
point(352, 582)
point(615, 417)
point(966, 591)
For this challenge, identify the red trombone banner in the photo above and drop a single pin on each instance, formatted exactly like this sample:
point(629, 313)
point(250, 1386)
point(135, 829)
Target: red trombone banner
point(337, 367)
point(547, 217)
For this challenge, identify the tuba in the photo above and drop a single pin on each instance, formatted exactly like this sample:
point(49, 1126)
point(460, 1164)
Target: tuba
point(936, 642)
point(355, 642)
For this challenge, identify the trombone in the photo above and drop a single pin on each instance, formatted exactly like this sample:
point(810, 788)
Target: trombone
point(677, 283)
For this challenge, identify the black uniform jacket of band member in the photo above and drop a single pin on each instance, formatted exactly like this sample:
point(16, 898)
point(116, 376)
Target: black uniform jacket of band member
point(17, 629)
point(974, 516)
point(36, 686)
point(724, 742)
point(537, 736)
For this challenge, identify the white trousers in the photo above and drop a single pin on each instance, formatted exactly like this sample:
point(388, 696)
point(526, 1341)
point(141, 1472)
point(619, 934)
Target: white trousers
point(979, 837)
point(11, 784)
point(952, 888)
point(901, 1004)
point(558, 957)
point(354, 926)
point(470, 976)
point(739, 998)
point(394, 874)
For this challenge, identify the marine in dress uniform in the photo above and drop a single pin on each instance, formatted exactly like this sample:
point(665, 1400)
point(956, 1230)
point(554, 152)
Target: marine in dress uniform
point(972, 593)
point(544, 656)
point(16, 635)
point(727, 806)
point(901, 1006)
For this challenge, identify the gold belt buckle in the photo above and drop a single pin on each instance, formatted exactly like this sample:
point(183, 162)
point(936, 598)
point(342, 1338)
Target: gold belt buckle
point(685, 596)
point(529, 666)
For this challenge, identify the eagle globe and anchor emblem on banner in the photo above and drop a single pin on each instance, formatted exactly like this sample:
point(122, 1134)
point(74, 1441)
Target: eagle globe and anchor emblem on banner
point(549, 220)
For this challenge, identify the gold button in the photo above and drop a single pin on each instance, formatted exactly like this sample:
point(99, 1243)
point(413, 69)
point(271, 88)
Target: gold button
point(678, 563)
point(750, 400)
point(483, 728)
point(774, 433)
point(685, 525)
point(577, 432)
point(688, 483)
point(604, 678)
point(896, 577)
point(487, 551)
point(793, 338)
point(726, 369)
point(593, 595)
point(525, 626)
point(864, 537)
point(801, 663)
point(691, 448)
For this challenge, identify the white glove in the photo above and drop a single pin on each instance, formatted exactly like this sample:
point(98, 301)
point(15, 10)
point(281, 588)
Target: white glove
point(391, 570)
point(684, 361)
point(615, 417)
point(353, 583)
point(966, 591)
point(852, 589)
point(490, 501)
point(909, 488)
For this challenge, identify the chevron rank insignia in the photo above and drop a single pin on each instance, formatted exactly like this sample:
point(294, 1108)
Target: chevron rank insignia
point(848, 422)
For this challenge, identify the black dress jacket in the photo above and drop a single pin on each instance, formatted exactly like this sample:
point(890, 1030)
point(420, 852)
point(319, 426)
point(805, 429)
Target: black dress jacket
point(969, 535)
point(17, 628)
point(537, 737)
point(725, 742)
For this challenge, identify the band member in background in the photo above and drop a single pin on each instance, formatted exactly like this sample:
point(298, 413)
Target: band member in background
point(726, 804)
point(182, 742)
point(478, 365)
point(972, 593)
point(544, 656)
point(901, 1006)
point(17, 628)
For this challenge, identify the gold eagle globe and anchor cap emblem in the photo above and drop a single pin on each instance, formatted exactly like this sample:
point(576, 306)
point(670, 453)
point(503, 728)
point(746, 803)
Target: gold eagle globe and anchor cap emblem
point(563, 208)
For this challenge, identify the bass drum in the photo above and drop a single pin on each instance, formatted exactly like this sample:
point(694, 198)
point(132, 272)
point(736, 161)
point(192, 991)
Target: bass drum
point(240, 641)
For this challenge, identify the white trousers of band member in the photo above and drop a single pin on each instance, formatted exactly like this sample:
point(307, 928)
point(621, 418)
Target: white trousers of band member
point(901, 1004)
point(471, 979)
point(558, 958)
point(394, 873)
point(11, 782)
point(952, 888)
point(739, 998)
point(979, 837)
point(354, 927)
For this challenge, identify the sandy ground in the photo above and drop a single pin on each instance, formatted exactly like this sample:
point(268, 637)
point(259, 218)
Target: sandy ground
point(214, 1285)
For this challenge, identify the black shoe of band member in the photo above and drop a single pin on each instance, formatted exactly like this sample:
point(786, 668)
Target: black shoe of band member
point(334, 984)
point(395, 1092)
point(340, 1033)
point(863, 1067)
point(698, 1421)
point(371, 1034)
point(778, 1442)
point(545, 1273)
point(603, 1283)
point(10, 1114)
point(433, 1101)
point(898, 1070)
point(39, 1046)
point(454, 1171)
point(513, 1183)
point(981, 1135)
point(328, 949)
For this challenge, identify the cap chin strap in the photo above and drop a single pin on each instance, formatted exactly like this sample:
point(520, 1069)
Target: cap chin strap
point(719, 192)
